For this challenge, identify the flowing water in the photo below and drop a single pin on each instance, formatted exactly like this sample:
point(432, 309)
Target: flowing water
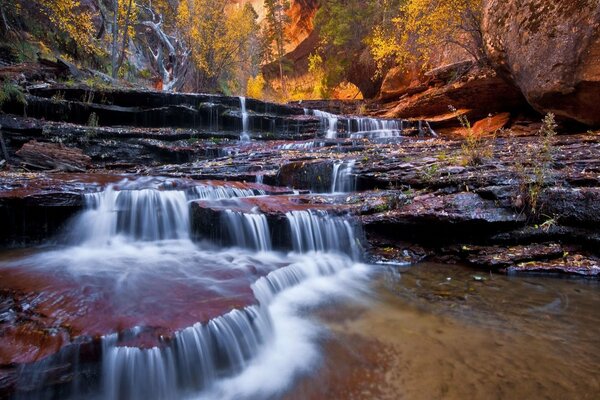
point(343, 179)
point(244, 136)
point(435, 331)
point(335, 126)
point(182, 319)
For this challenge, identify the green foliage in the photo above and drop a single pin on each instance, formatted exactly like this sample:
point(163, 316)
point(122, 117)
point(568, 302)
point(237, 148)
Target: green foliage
point(343, 27)
point(12, 92)
point(475, 148)
point(539, 158)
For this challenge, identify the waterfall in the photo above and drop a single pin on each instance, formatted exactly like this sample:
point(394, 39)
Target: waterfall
point(207, 192)
point(266, 338)
point(193, 360)
point(245, 137)
point(301, 146)
point(146, 214)
point(343, 181)
point(318, 231)
point(358, 127)
point(248, 230)
point(202, 356)
point(373, 128)
point(329, 122)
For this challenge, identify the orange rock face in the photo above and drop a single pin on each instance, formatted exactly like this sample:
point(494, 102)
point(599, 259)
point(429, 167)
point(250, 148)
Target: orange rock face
point(551, 50)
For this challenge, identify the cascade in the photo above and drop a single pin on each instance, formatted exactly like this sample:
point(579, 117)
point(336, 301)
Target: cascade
point(141, 230)
point(358, 127)
point(146, 214)
point(248, 230)
point(343, 180)
point(329, 122)
point(207, 192)
point(318, 231)
point(373, 128)
point(244, 137)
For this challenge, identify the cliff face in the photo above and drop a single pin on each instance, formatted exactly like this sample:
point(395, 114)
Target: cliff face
point(551, 50)
point(301, 14)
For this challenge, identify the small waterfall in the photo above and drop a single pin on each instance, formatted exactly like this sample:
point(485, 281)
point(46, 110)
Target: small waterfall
point(248, 230)
point(358, 127)
point(319, 231)
point(146, 214)
point(193, 360)
point(207, 192)
point(301, 146)
point(329, 122)
point(245, 137)
point(373, 128)
point(343, 181)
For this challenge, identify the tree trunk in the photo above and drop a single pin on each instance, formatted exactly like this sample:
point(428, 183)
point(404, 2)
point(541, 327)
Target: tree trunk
point(125, 37)
point(115, 33)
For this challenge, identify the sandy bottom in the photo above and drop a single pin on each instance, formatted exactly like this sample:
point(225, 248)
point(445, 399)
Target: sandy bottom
point(447, 332)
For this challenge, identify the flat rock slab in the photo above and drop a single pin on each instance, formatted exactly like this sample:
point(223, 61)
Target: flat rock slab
point(465, 214)
point(45, 305)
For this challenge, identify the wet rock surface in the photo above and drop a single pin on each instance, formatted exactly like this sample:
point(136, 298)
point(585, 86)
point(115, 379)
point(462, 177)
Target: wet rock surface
point(417, 198)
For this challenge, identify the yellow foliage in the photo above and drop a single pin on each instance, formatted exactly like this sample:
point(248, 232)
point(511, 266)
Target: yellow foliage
point(218, 39)
point(67, 16)
point(127, 15)
point(256, 87)
point(420, 27)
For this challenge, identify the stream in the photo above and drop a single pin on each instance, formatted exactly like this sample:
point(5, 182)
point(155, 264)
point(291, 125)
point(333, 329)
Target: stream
point(163, 287)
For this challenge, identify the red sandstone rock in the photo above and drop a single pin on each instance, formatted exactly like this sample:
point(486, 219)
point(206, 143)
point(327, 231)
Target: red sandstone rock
point(551, 50)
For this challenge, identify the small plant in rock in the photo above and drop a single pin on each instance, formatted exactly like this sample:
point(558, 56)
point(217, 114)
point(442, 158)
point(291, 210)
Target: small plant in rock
point(430, 172)
point(88, 97)
point(58, 96)
point(475, 148)
point(12, 92)
point(93, 120)
point(539, 158)
point(92, 124)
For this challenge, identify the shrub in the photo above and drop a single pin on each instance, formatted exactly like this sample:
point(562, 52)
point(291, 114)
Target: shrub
point(11, 92)
point(475, 148)
point(539, 158)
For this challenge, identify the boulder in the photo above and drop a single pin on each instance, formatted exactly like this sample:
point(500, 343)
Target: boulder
point(551, 50)
point(400, 81)
point(477, 93)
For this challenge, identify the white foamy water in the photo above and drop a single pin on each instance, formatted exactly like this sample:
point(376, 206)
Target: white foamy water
point(357, 127)
point(136, 241)
point(244, 137)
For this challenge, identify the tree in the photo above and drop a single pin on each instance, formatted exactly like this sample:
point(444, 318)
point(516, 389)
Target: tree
point(124, 16)
point(277, 20)
point(221, 42)
point(344, 26)
point(422, 25)
point(69, 18)
point(168, 51)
